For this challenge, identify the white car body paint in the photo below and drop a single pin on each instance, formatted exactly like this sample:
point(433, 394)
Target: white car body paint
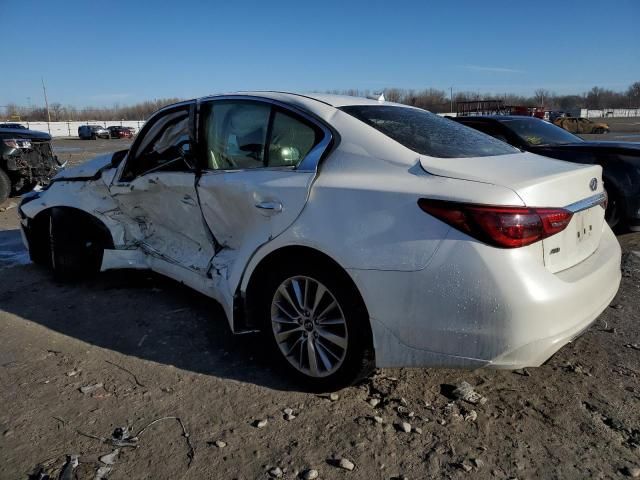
point(435, 296)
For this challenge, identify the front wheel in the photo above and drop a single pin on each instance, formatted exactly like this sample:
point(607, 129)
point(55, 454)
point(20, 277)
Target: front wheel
point(76, 249)
point(318, 326)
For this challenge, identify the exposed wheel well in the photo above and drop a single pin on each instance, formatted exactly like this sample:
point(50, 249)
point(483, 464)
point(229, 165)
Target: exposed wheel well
point(39, 231)
point(295, 254)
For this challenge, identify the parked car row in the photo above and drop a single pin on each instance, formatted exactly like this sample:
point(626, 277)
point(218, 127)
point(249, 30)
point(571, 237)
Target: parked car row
point(352, 233)
point(92, 132)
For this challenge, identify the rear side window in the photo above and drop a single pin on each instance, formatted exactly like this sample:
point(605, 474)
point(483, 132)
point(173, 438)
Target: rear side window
point(291, 140)
point(428, 134)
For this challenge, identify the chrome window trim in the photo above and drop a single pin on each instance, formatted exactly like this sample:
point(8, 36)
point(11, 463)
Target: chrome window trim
point(310, 162)
point(587, 203)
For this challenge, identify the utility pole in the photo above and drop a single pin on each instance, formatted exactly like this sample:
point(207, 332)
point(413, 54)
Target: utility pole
point(46, 103)
point(450, 99)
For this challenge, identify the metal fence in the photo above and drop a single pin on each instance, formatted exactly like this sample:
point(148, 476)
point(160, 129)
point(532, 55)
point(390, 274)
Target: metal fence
point(70, 129)
point(610, 112)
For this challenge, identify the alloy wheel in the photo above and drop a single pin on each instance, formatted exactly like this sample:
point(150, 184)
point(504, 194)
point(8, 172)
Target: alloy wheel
point(309, 326)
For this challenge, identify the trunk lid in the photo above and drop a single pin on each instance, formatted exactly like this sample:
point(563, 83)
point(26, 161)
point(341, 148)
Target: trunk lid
point(541, 182)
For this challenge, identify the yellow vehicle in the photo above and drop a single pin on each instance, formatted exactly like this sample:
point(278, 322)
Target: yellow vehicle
point(581, 125)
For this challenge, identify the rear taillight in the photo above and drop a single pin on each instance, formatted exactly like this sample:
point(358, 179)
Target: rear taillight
point(503, 227)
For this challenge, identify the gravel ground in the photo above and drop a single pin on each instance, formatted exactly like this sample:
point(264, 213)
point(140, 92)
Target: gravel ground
point(149, 349)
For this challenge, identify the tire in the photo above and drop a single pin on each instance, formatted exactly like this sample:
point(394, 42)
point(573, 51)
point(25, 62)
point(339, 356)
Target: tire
point(336, 365)
point(615, 209)
point(76, 246)
point(5, 186)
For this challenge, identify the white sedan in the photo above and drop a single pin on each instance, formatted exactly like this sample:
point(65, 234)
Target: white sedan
point(353, 233)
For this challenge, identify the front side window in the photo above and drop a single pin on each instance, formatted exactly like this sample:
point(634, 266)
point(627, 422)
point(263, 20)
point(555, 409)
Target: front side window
point(163, 146)
point(538, 132)
point(428, 134)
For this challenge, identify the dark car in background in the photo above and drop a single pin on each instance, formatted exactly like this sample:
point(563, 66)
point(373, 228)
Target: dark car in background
point(17, 126)
point(117, 131)
point(91, 132)
point(26, 160)
point(620, 161)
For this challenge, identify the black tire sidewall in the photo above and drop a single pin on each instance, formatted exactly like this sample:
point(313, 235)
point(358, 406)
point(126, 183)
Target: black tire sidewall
point(359, 358)
point(5, 186)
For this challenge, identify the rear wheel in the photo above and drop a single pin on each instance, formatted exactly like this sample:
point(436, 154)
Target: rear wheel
point(317, 326)
point(5, 186)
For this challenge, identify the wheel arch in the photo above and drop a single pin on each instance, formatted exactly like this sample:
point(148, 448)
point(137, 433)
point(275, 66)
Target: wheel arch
point(39, 226)
point(249, 289)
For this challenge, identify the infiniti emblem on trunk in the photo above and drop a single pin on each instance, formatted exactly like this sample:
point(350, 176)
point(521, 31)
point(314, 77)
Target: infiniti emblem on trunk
point(593, 184)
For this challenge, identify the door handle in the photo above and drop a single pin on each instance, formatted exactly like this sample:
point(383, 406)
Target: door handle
point(271, 207)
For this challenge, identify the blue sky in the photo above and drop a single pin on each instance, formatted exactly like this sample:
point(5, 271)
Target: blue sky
point(100, 53)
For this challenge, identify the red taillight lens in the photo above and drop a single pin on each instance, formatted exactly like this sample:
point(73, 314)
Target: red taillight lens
point(504, 227)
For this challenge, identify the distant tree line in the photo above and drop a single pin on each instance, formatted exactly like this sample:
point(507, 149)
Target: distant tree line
point(60, 113)
point(431, 99)
point(440, 101)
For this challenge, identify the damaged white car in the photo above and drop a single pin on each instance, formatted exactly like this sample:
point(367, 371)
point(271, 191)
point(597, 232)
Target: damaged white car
point(354, 233)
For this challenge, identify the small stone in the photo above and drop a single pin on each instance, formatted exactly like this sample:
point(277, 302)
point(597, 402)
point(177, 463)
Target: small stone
point(90, 388)
point(633, 472)
point(220, 444)
point(334, 397)
point(377, 419)
point(465, 392)
point(374, 402)
point(275, 472)
point(261, 423)
point(288, 411)
point(346, 464)
point(477, 462)
point(289, 416)
point(73, 373)
point(110, 458)
point(442, 421)
point(466, 467)
point(404, 427)
point(403, 401)
point(310, 474)
point(472, 416)
point(522, 371)
point(418, 430)
point(617, 306)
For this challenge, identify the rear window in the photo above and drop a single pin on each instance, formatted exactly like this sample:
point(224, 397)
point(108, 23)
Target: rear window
point(428, 134)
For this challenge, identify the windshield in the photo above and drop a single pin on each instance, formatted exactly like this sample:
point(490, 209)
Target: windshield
point(538, 132)
point(428, 134)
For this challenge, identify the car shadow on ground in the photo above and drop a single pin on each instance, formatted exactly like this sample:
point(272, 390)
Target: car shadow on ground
point(140, 314)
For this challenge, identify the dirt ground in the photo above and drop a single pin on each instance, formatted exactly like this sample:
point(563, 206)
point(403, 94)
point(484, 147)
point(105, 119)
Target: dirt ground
point(150, 349)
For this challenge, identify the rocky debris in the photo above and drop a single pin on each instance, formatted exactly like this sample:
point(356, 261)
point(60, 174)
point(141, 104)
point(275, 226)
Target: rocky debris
point(341, 462)
point(110, 458)
point(220, 444)
point(378, 419)
point(633, 472)
point(310, 474)
point(464, 391)
point(288, 414)
point(102, 473)
point(403, 427)
point(471, 416)
point(261, 423)
point(334, 397)
point(635, 346)
point(522, 371)
point(616, 306)
point(276, 472)
point(417, 430)
point(87, 389)
point(477, 462)
point(374, 402)
point(73, 373)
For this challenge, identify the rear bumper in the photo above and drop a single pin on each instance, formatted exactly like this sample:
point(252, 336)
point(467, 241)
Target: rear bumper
point(477, 306)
